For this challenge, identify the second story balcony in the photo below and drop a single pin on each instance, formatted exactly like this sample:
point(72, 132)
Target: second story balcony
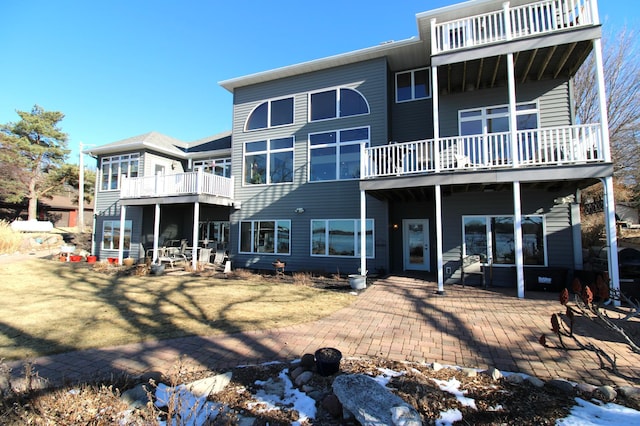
point(512, 22)
point(553, 146)
point(179, 184)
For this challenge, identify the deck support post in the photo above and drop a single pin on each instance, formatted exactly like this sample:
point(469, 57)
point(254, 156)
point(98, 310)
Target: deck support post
point(439, 261)
point(517, 237)
point(123, 212)
point(363, 233)
point(156, 232)
point(196, 222)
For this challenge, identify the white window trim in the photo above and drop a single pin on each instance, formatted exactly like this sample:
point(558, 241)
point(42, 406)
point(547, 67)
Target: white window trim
point(116, 159)
point(275, 237)
point(488, 236)
point(338, 116)
point(337, 145)
point(225, 161)
point(269, 126)
point(268, 151)
point(484, 115)
point(413, 85)
point(356, 238)
point(127, 224)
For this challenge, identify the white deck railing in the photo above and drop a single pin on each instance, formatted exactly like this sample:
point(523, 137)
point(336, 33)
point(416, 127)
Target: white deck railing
point(553, 146)
point(189, 183)
point(511, 23)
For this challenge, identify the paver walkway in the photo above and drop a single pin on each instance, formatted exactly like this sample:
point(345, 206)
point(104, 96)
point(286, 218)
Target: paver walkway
point(398, 318)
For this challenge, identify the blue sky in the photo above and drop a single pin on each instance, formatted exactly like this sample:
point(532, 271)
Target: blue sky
point(120, 68)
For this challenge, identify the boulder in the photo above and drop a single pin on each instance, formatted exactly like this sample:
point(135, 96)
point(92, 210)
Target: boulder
point(209, 385)
point(373, 404)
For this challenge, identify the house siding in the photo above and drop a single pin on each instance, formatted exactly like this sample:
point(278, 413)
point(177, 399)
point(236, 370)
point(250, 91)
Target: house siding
point(321, 200)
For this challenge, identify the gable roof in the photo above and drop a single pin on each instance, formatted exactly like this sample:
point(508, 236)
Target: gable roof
point(165, 144)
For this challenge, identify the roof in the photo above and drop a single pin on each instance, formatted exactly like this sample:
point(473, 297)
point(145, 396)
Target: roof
point(165, 144)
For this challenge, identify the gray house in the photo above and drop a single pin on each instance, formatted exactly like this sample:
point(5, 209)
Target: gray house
point(453, 153)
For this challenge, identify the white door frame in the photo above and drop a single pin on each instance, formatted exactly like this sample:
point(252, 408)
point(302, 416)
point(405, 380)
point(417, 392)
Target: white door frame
point(406, 263)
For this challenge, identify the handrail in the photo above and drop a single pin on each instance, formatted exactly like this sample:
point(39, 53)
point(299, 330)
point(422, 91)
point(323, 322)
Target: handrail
point(188, 183)
point(561, 145)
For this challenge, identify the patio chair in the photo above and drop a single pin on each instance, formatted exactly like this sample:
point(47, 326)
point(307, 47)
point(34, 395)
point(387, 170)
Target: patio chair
point(171, 255)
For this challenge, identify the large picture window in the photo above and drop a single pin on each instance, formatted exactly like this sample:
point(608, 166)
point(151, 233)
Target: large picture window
point(492, 237)
point(413, 85)
point(111, 235)
point(268, 161)
point(273, 113)
point(112, 168)
point(265, 236)
point(336, 103)
point(336, 155)
point(214, 231)
point(340, 237)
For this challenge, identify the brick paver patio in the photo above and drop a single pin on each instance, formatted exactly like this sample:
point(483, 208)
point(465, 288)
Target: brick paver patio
point(398, 318)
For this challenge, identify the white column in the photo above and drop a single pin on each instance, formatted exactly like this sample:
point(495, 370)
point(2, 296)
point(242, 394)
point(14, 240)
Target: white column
point(439, 261)
point(602, 99)
point(196, 220)
point(612, 241)
point(123, 212)
point(156, 232)
point(435, 99)
point(517, 236)
point(576, 235)
point(513, 124)
point(363, 233)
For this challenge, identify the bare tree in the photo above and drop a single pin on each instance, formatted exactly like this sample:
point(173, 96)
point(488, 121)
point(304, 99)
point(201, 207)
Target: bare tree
point(621, 60)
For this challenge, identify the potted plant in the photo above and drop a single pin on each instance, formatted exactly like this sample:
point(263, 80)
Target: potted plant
point(92, 259)
point(128, 261)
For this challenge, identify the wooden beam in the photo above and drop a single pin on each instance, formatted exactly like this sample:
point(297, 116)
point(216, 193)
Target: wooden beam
point(527, 68)
point(546, 61)
point(479, 73)
point(564, 58)
point(495, 72)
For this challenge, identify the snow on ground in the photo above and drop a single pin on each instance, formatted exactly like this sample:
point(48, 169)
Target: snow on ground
point(197, 410)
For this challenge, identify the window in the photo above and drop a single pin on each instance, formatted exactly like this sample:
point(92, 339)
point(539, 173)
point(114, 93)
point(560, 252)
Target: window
point(412, 85)
point(336, 155)
point(493, 237)
point(214, 231)
point(488, 121)
point(340, 237)
point(265, 236)
point(336, 103)
point(278, 112)
point(114, 167)
point(217, 166)
point(111, 235)
point(269, 161)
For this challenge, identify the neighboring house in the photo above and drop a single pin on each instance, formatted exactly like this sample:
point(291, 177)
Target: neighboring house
point(455, 147)
point(60, 209)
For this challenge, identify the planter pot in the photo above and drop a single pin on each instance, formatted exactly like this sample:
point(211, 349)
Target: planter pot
point(357, 282)
point(157, 269)
point(112, 260)
point(75, 258)
point(128, 261)
point(328, 361)
point(92, 259)
point(63, 258)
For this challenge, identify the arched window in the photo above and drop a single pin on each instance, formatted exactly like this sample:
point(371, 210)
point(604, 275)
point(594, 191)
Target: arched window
point(336, 103)
point(277, 112)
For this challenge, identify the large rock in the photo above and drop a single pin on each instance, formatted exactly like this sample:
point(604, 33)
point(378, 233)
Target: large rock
point(371, 403)
point(209, 385)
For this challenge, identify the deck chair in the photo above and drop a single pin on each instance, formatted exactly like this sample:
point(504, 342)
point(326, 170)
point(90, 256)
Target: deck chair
point(218, 259)
point(171, 255)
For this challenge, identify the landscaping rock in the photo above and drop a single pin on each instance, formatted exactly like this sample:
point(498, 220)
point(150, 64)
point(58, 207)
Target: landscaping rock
point(606, 393)
point(210, 385)
point(469, 372)
point(332, 404)
point(494, 373)
point(586, 388)
point(437, 366)
point(630, 392)
point(561, 385)
point(372, 403)
point(515, 379)
point(534, 381)
point(308, 362)
point(137, 396)
point(303, 378)
point(296, 372)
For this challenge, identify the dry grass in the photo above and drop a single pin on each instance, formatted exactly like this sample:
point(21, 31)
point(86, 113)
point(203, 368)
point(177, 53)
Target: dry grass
point(10, 240)
point(52, 307)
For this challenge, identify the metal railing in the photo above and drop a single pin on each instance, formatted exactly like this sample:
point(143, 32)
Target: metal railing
point(564, 145)
point(189, 183)
point(509, 23)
